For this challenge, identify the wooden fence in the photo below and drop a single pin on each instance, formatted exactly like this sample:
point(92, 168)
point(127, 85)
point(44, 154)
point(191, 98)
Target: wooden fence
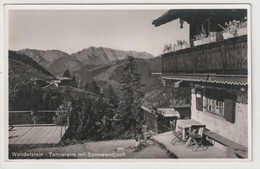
point(27, 117)
point(151, 119)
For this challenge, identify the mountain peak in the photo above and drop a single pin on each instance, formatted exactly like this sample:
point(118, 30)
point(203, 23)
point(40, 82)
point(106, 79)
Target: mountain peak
point(103, 55)
point(57, 61)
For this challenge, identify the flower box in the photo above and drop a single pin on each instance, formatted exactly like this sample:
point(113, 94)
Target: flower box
point(202, 41)
point(206, 40)
point(242, 31)
point(239, 32)
point(227, 35)
point(213, 36)
point(185, 46)
point(177, 48)
point(213, 39)
point(198, 42)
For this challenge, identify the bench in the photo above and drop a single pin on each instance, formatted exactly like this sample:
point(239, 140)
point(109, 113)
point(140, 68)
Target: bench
point(238, 149)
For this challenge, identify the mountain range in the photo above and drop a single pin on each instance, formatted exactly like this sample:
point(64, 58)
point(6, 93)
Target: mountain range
point(104, 65)
point(56, 61)
point(22, 71)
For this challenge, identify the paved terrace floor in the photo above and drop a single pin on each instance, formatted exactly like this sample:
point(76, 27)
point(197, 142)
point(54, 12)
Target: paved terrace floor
point(181, 151)
point(36, 135)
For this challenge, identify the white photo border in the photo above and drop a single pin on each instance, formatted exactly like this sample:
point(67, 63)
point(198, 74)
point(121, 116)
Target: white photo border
point(169, 163)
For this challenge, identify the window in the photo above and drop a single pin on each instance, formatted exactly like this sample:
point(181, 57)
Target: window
point(217, 102)
point(215, 106)
point(220, 107)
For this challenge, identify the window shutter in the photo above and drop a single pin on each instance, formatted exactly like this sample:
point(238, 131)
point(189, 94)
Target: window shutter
point(229, 110)
point(199, 100)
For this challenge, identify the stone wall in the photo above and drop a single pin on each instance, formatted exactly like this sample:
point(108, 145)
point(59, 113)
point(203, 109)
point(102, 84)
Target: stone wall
point(237, 132)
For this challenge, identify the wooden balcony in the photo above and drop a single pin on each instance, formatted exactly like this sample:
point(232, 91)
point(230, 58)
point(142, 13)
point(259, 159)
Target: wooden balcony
point(225, 57)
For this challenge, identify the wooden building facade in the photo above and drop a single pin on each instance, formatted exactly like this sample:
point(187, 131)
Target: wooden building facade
point(216, 72)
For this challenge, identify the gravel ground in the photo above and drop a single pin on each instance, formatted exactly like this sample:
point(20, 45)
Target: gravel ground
point(112, 149)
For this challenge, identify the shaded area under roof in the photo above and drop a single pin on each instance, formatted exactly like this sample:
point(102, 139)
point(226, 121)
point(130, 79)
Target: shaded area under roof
point(194, 15)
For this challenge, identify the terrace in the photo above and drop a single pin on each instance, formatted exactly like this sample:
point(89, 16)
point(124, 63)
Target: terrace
point(27, 128)
point(181, 151)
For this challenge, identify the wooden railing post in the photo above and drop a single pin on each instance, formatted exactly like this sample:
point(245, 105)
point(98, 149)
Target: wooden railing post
point(223, 55)
point(194, 60)
point(176, 64)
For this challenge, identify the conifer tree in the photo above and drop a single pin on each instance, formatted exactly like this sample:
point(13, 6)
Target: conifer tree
point(74, 82)
point(86, 86)
point(132, 94)
point(109, 93)
point(92, 87)
point(67, 74)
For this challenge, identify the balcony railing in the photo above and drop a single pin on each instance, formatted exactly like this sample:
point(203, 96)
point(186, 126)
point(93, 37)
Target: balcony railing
point(225, 57)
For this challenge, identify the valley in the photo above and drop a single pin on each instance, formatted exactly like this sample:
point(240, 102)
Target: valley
point(98, 63)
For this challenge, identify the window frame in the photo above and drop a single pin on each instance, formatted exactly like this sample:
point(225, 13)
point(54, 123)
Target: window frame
point(217, 96)
point(214, 110)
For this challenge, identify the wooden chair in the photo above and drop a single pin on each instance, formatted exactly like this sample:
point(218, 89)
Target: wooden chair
point(196, 139)
point(177, 134)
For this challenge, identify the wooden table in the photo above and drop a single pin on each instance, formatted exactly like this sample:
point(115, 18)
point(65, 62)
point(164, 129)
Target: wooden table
point(187, 124)
point(168, 112)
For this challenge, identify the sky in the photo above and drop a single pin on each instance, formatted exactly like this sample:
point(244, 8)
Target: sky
point(73, 30)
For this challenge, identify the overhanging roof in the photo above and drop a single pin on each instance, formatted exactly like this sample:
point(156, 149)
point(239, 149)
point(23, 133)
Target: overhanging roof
point(181, 77)
point(193, 15)
point(209, 78)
